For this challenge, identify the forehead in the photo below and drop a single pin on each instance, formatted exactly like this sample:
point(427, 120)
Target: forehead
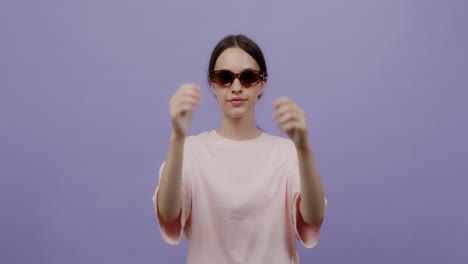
point(235, 60)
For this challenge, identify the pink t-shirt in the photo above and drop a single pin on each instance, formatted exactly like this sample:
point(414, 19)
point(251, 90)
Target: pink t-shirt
point(240, 201)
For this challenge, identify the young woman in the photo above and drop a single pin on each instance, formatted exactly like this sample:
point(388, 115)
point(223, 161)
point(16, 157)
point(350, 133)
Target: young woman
point(239, 195)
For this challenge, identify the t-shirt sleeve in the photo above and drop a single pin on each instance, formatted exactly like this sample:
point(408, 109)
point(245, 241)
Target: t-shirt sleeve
point(172, 231)
point(307, 234)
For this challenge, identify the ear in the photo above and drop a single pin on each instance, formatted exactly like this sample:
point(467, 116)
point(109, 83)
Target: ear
point(264, 82)
point(212, 87)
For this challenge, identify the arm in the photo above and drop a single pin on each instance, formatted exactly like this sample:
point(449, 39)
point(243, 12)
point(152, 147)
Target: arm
point(291, 119)
point(170, 186)
point(312, 205)
point(181, 106)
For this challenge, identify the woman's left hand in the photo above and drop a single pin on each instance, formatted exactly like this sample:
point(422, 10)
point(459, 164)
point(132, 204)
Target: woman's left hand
point(291, 119)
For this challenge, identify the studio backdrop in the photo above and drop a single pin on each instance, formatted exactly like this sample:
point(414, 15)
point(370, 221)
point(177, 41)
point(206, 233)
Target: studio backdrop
point(84, 92)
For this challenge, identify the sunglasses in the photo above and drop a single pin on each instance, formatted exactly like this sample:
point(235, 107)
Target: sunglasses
point(247, 78)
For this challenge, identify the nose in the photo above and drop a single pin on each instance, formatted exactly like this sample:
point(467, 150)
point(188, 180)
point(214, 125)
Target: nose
point(236, 86)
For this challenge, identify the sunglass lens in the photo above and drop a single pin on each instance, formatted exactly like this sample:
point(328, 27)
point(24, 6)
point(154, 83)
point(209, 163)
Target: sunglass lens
point(223, 77)
point(249, 78)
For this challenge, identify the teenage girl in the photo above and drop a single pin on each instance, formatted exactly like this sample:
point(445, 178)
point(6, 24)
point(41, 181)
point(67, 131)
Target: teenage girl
point(238, 194)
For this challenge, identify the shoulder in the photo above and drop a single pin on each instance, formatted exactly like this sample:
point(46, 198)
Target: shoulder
point(199, 136)
point(282, 143)
point(197, 139)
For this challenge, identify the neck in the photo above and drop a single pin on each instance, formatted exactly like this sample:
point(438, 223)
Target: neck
point(239, 128)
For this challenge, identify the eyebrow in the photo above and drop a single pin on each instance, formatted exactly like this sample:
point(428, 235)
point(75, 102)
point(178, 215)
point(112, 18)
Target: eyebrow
point(246, 69)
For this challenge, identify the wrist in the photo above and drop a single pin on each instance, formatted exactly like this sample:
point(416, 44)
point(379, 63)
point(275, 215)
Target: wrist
point(177, 136)
point(303, 146)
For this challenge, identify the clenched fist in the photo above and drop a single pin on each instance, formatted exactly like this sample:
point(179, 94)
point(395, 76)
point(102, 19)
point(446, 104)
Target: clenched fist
point(291, 119)
point(181, 107)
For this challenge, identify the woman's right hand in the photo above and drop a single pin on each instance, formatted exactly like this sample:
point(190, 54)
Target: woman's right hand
point(181, 107)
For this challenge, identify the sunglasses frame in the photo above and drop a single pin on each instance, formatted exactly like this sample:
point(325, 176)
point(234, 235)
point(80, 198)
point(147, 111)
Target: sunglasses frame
point(262, 77)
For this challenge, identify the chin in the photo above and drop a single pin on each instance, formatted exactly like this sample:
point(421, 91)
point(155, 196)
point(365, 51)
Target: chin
point(235, 113)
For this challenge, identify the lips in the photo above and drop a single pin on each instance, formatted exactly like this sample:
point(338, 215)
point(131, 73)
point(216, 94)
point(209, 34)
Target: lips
point(236, 100)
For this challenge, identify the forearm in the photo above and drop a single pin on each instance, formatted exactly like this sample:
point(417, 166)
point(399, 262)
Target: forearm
point(312, 205)
point(170, 186)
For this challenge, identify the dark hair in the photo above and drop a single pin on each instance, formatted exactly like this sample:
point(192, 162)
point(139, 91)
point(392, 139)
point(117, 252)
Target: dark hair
point(240, 41)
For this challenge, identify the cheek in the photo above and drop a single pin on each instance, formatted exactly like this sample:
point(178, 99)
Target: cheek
point(256, 94)
point(219, 97)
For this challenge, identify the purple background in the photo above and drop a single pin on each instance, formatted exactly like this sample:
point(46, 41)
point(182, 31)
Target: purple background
point(85, 125)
